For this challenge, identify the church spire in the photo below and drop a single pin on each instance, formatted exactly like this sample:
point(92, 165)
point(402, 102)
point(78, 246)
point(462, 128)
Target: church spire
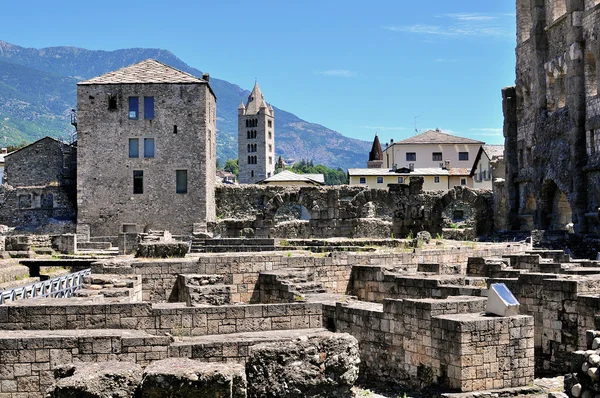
point(376, 155)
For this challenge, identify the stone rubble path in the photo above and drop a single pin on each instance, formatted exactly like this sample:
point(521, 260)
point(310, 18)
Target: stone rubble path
point(548, 385)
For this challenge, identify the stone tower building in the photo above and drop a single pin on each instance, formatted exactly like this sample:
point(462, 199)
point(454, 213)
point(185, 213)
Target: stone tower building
point(552, 118)
point(256, 139)
point(146, 154)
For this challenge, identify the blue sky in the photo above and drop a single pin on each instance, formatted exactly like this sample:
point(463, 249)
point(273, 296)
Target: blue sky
point(356, 67)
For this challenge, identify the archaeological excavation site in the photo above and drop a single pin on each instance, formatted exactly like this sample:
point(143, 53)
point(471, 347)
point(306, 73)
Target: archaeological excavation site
point(127, 269)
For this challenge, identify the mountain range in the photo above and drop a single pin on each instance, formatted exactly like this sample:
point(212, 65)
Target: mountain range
point(38, 90)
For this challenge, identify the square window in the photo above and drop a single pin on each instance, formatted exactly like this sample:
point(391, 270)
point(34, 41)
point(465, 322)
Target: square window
point(436, 179)
point(363, 180)
point(148, 147)
point(379, 180)
point(134, 108)
point(436, 156)
point(138, 181)
point(400, 180)
point(463, 181)
point(181, 181)
point(411, 156)
point(148, 108)
point(463, 156)
point(134, 148)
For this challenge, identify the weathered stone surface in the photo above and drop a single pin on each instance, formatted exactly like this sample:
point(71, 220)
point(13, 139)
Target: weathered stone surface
point(319, 366)
point(111, 379)
point(162, 249)
point(182, 377)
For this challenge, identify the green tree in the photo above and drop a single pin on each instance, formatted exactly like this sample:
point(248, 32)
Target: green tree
point(332, 176)
point(231, 166)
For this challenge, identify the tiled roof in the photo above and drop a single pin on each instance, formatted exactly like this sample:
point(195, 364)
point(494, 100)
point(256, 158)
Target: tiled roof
point(148, 71)
point(289, 176)
point(459, 171)
point(494, 151)
point(437, 137)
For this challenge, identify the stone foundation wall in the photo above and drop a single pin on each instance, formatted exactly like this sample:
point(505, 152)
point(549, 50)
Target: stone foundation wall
point(177, 320)
point(446, 342)
point(333, 270)
point(29, 360)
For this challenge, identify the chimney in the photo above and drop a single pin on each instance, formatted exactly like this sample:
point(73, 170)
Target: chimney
point(391, 140)
point(206, 76)
point(394, 167)
point(411, 166)
point(4, 151)
point(446, 164)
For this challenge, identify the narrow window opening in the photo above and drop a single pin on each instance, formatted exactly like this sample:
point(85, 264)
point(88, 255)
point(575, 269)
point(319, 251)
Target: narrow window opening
point(112, 102)
point(134, 148)
point(436, 179)
point(174, 129)
point(463, 181)
point(148, 108)
point(181, 181)
point(252, 173)
point(138, 181)
point(133, 108)
point(129, 228)
point(148, 147)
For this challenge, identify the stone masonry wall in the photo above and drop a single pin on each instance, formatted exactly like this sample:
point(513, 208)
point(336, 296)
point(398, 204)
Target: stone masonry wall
point(431, 341)
point(184, 132)
point(241, 270)
point(157, 319)
point(45, 162)
point(345, 211)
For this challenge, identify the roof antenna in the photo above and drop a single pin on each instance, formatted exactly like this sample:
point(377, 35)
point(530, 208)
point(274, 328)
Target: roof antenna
point(416, 130)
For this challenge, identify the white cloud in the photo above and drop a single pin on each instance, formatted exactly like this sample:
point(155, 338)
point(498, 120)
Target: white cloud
point(470, 16)
point(337, 73)
point(461, 25)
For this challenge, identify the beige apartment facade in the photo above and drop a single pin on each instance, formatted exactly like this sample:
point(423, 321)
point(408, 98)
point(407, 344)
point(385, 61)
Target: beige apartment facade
point(434, 179)
point(431, 149)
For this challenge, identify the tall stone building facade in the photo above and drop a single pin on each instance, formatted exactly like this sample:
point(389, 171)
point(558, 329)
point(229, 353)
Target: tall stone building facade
point(552, 118)
point(146, 151)
point(256, 139)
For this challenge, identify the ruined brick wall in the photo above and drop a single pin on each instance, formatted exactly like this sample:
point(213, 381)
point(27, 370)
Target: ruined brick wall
point(183, 129)
point(552, 118)
point(41, 209)
point(345, 211)
point(45, 162)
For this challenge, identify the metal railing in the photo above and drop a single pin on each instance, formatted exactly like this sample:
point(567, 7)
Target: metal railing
point(61, 287)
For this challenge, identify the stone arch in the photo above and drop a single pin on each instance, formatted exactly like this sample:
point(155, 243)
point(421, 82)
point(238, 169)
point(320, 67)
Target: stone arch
point(556, 213)
point(373, 204)
point(475, 207)
point(298, 203)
